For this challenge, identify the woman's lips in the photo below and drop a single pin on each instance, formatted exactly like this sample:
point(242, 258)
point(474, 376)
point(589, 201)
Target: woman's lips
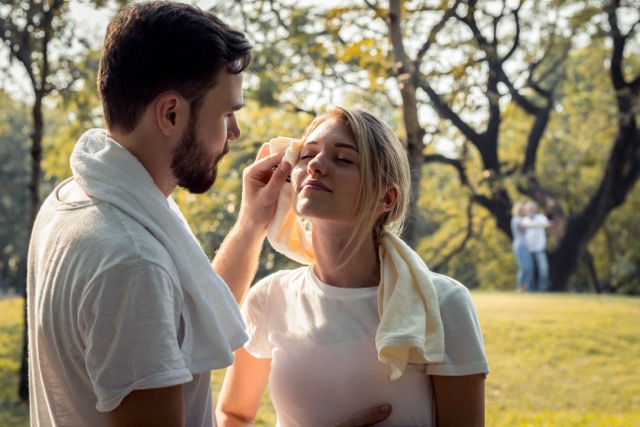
point(315, 185)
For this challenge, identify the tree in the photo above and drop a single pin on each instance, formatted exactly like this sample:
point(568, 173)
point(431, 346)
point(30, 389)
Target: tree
point(623, 166)
point(457, 66)
point(29, 30)
point(40, 37)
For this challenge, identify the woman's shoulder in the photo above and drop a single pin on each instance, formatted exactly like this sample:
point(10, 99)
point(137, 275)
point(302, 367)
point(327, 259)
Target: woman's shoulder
point(274, 287)
point(282, 278)
point(447, 287)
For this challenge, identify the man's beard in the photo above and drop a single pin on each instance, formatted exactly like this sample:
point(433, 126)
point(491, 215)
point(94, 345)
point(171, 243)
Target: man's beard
point(194, 168)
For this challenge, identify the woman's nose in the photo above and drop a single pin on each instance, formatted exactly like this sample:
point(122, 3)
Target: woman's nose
point(316, 165)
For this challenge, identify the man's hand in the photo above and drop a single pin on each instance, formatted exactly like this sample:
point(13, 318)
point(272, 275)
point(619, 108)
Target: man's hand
point(261, 184)
point(368, 417)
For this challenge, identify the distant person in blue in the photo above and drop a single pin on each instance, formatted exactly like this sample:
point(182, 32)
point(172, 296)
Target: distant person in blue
point(523, 257)
point(535, 236)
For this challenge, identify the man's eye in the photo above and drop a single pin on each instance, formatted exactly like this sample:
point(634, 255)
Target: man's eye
point(306, 156)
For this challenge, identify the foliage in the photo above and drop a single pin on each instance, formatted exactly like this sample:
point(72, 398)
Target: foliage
point(491, 89)
point(456, 234)
point(13, 412)
point(14, 180)
point(70, 115)
point(555, 360)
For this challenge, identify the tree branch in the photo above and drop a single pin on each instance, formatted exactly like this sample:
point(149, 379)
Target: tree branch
point(431, 38)
point(463, 243)
point(445, 112)
point(457, 164)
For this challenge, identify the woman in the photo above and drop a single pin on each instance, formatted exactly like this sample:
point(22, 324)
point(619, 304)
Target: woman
point(521, 252)
point(316, 333)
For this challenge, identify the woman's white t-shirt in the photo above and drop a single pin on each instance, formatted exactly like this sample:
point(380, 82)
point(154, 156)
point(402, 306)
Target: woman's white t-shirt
point(324, 364)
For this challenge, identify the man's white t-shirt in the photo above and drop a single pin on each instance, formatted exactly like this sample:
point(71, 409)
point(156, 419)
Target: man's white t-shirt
point(105, 306)
point(324, 364)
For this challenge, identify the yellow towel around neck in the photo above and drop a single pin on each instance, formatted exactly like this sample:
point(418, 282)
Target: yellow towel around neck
point(410, 329)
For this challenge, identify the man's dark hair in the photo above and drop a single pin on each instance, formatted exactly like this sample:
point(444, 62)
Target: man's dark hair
point(157, 46)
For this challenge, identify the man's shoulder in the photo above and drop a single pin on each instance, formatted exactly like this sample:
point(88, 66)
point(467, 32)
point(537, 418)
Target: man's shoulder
point(99, 231)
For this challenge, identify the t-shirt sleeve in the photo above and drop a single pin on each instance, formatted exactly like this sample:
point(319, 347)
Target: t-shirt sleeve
point(464, 345)
point(129, 320)
point(254, 316)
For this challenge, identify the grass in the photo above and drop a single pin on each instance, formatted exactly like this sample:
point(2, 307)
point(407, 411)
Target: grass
point(561, 360)
point(13, 413)
point(555, 360)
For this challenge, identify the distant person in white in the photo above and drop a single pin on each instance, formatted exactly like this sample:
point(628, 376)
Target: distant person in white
point(535, 225)
point(520, 250)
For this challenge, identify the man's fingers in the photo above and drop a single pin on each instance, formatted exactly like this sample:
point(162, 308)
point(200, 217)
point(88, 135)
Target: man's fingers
point(368, 417)
point(266, 162)
point(281, 174)
point(264, 151)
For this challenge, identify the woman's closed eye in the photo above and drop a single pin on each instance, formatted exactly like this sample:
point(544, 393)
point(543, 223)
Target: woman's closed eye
point(345, 160)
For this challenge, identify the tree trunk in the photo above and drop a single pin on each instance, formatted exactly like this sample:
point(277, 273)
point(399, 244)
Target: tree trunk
point(407, 77)
point(623, 171)
point(34, 198)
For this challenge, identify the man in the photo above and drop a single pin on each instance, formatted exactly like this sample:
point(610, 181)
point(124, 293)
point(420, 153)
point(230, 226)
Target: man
point(535, 237)
point(126, 315)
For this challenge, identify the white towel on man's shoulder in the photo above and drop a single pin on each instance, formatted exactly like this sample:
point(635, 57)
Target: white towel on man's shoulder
point(410, 329)
point(213, 326)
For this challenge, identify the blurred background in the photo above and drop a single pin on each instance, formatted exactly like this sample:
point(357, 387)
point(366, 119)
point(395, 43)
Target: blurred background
point(496, 102)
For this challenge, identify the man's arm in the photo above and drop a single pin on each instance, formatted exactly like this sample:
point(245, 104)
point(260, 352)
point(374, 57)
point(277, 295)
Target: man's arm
point(156, 407)
point(237, 258)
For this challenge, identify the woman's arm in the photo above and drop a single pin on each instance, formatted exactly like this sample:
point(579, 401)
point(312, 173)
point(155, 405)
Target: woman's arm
point(459, 400)
point(242, 390)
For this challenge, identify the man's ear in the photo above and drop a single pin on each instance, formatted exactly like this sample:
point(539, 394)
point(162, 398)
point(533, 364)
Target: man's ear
point(171, 112)
point(388, 200)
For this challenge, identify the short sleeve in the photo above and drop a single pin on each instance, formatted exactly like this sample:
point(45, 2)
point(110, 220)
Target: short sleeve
point(464, 345)
point(254, 316)
point(130, 320)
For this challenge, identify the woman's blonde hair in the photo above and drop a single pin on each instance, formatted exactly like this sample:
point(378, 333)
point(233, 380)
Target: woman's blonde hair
point(383, 164)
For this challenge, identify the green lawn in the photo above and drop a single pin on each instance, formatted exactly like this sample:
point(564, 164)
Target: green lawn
point(555, 360)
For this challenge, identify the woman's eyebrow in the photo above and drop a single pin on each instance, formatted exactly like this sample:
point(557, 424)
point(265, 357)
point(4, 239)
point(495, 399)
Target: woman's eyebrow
point(347, 145)
point(338, 144)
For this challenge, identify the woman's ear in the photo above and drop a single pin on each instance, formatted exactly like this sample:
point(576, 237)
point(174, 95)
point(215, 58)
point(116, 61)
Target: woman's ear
point(388, 200)
point(172, 113)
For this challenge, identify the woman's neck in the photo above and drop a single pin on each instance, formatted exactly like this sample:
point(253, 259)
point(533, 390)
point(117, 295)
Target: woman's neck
point(362, 268)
